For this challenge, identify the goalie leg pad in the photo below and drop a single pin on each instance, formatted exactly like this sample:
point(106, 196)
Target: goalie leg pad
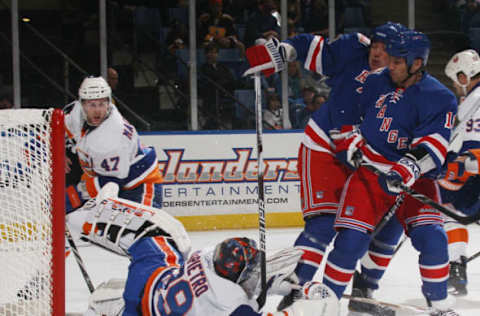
point(116, 223)
point(107, 298)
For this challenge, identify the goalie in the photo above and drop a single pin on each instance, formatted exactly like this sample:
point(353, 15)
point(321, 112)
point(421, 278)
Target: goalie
point(164, 280)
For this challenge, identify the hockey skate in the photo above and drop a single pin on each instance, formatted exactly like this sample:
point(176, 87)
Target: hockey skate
point(360, 290)
point(441, 310)
point(448, 312)
point(457, 281)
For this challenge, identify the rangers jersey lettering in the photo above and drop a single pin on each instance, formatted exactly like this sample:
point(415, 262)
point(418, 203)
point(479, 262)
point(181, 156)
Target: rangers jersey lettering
point(397, 120)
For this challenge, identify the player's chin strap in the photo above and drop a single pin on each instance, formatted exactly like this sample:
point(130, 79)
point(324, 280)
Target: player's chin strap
point(465, 220)
point(411, 74)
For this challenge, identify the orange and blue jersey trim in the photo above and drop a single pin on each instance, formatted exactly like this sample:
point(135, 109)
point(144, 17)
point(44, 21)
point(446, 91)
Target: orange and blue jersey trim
point(172, 260)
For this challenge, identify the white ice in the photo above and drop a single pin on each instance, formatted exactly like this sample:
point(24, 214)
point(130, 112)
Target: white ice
point(401, 282)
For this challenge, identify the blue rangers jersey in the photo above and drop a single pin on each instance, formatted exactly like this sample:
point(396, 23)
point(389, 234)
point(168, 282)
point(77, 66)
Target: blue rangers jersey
point(396, 120)
point(345, 62)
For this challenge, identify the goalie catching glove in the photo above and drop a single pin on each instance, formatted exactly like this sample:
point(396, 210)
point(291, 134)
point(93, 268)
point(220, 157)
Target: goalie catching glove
point(280, 273)
point(115, 223)
point(269, 57)
point(317, 300)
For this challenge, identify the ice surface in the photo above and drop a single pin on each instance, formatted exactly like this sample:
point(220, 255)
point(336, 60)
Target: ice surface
point(401, 283)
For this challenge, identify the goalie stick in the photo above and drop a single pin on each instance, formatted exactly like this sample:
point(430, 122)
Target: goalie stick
point(79, 260)
point(465, 220)
point(261, 199)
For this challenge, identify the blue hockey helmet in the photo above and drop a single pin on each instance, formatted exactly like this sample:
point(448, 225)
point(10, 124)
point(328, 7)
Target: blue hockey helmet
point(410, 45)
point(236, 258)
point(385, 32)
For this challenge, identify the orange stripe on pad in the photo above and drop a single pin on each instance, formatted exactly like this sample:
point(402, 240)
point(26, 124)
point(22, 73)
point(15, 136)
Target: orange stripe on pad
point(457, 235)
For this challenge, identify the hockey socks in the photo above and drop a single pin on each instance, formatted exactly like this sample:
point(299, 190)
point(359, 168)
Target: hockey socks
point(431, 242)
point(380, 252)
point(318, 233)
point(350, 245)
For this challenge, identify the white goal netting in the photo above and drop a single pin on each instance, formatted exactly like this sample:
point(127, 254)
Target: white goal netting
point(26, 229)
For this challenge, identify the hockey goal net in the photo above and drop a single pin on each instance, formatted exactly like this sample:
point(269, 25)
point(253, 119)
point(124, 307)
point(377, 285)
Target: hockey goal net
point(32, 240)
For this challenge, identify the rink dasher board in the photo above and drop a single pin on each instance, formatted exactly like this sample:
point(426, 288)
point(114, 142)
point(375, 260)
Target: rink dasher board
point(210, 177)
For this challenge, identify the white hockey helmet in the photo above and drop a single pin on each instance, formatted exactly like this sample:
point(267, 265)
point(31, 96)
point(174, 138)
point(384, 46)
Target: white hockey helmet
point(466, 62)
point(94, 88)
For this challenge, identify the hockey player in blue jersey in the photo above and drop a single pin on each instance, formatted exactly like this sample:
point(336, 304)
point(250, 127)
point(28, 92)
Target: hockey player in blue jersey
point(408, 115)
point(347, 61)
point(460, 189)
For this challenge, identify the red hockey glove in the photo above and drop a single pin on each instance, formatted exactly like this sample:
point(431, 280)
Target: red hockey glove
point(405, 171)
point(268, 58)
point(348, 142)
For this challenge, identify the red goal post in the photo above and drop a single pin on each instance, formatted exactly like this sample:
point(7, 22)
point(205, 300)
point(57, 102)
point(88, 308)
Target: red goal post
point(32, 212)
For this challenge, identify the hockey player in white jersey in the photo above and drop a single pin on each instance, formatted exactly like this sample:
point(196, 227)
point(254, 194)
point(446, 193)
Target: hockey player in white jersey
point(108, 149)
point(461, 185)
point(164, 280)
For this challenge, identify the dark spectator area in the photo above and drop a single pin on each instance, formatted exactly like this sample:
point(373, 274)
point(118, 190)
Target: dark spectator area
point(148, 54)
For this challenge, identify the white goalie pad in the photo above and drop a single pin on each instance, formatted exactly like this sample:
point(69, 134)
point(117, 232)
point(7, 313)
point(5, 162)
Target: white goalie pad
point(107, 298)
point(115, 223)
point(281, 262)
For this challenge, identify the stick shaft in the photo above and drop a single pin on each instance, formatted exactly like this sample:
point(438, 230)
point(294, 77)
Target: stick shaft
point(79, 260)
point(261, 199)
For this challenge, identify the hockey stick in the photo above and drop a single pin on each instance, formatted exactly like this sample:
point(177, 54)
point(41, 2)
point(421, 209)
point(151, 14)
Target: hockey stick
point(79, 260)
point(476, 255)
point(398, 309)
point(388, 215)
point(261, 199)
point(465, 220)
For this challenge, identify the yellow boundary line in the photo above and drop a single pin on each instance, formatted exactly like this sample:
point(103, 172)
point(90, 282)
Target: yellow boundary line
point(240, 221)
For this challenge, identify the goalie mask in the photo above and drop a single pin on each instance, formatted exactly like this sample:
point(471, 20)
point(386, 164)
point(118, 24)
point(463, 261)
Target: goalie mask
point(466, 62)
point(236, 258)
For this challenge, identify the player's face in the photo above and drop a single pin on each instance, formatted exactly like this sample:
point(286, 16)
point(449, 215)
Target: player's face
point(96, 110)
point(398, 69)
point(378, 57)
point(462, 78)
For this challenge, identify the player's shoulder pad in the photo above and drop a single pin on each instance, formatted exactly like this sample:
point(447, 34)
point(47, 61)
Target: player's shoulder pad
point(434, 98)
